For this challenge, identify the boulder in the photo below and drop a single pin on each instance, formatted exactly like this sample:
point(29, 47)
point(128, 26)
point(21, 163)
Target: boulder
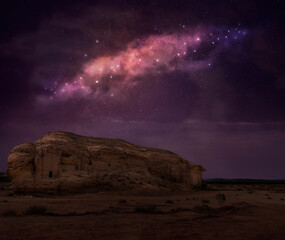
point(62, 162)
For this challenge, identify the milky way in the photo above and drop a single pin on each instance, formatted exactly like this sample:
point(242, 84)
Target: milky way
point(187, 51)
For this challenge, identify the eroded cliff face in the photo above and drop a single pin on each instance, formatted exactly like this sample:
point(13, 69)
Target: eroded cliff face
point(65, 162)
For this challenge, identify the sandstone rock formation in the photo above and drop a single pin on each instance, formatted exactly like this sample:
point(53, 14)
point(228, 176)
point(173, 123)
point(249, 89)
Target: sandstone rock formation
point(62, 162)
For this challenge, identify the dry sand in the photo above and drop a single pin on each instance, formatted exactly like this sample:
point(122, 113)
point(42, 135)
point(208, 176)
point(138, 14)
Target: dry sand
point(249, 212)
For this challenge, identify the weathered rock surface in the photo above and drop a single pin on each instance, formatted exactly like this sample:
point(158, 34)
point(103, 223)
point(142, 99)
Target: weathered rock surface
point(65, 162)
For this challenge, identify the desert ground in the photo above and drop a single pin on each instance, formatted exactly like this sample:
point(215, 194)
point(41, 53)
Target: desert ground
point(249, 212)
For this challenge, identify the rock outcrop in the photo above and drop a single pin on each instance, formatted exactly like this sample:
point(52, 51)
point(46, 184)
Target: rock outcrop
point(62, 162)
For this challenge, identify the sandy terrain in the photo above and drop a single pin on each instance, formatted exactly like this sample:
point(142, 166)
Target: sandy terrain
point(249, 212)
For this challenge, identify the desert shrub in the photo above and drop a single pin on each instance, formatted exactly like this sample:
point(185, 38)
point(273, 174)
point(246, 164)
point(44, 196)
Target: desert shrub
point(282, 199)
point(169, 201)
point(187, 199)
point(35, 210)
point(221, 197)
point(113, 209)
point(203, 208)
point(9, 213)
point(205, 201)
point(179, 209)
point(266, 194)
point(269, 198)
point(174, 210)
point(122, 201)
point(73, 213)
point(148, 209)
point(228, 209)
point(208, 216)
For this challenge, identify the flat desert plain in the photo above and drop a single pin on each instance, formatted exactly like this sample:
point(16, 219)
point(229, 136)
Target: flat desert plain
point(254, 211)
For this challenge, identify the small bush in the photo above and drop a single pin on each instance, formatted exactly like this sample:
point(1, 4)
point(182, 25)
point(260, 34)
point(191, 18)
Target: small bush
point(169, 201)
point(9, 213)
point(269, 198)
point(203, 208)
point(147, 209)
point(282, 199)
point(205, 217)
point(187, 199)
point(205, 201)
point(122, 201)
point(221, 197)
point(72, 213)
point(35, 210)
point(113, 209)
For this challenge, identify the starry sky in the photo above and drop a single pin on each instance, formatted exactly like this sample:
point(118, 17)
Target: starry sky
point(204, 79)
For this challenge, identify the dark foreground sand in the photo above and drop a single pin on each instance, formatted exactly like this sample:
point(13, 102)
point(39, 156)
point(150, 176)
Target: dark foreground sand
point(249, 212)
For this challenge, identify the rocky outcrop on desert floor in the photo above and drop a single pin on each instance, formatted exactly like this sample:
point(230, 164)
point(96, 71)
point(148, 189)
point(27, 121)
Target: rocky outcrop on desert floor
point(62, 162)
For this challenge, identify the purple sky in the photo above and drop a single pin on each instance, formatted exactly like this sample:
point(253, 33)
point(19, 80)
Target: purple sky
point(202, 79)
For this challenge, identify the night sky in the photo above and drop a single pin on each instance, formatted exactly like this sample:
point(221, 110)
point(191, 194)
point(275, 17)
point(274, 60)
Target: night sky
point(204, 79)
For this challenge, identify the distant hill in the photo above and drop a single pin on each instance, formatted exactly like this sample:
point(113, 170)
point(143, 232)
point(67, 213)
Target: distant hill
point(242, 181)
